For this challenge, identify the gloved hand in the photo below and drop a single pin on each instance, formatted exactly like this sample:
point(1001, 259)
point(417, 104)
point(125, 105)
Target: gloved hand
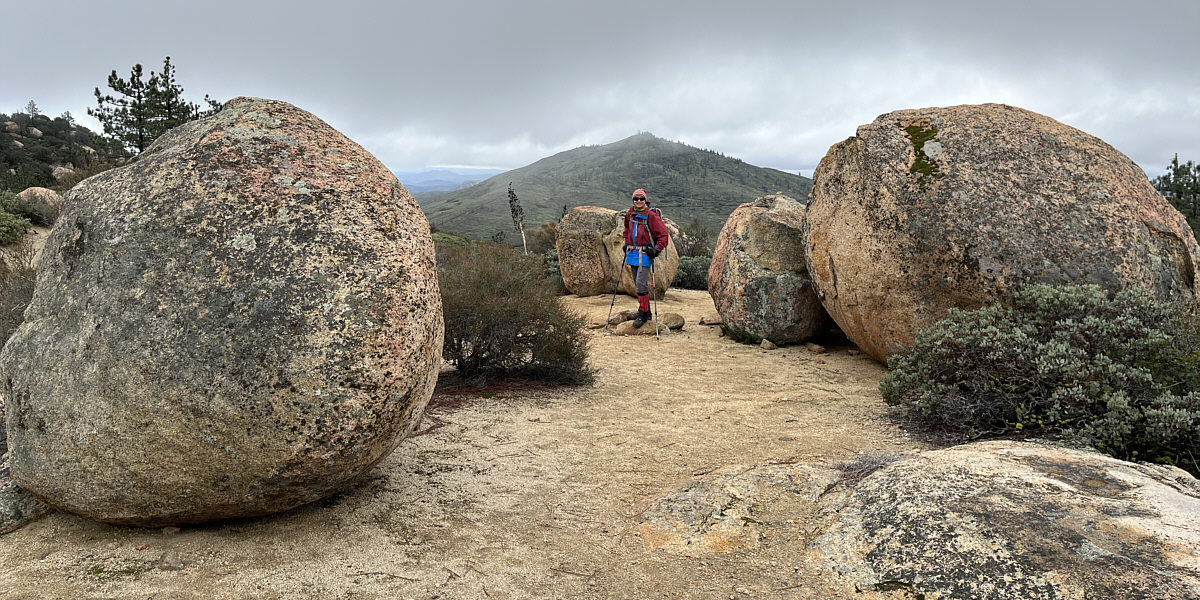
point(650, 251)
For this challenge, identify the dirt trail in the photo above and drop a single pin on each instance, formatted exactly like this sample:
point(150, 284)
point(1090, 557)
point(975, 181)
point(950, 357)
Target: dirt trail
point(525, 494)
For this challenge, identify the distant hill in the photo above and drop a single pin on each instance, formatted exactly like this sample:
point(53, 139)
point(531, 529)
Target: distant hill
point(683, 181)
point(31, 147)
point(420, 181)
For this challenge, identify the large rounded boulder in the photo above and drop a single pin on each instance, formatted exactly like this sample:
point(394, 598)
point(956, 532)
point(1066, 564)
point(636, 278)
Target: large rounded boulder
point(590, 242)
point(758, 278)
point(243, 320)
point(938, 208)
point(582, 252)
point(42, 197)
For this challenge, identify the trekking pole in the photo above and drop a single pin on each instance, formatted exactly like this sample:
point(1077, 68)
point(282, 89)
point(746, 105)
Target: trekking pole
point(613, 303)
point(616, 287)
point(654, 295)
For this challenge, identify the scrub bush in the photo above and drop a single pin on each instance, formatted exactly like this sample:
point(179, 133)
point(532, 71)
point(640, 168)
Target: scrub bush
point(1120, 374)
point(554, 272)
point(504, 320)
point(17, 275)
point(12, 227)
point(692, 273)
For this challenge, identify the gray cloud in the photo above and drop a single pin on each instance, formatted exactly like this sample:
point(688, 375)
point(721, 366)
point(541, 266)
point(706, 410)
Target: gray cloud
point(503, 84)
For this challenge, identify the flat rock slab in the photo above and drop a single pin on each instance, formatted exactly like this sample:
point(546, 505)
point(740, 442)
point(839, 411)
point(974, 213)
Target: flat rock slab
point(735, 508)
point(995, 520)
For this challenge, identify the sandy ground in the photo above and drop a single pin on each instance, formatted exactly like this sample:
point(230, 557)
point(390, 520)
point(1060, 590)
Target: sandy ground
point(520, 493)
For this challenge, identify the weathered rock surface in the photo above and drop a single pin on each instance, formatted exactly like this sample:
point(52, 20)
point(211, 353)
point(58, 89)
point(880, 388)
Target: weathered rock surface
point(759, 279)
point(925, 210)
point(17, 507)
point(590, 256)
point(243, 320)
point(1010, 520)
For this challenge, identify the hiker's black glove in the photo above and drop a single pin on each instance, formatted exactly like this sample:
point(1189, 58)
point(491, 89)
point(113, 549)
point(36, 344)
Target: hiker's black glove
point(650, 251)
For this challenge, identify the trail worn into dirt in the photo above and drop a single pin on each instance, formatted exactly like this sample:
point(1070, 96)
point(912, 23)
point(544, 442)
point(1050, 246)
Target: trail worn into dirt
point(518, 493)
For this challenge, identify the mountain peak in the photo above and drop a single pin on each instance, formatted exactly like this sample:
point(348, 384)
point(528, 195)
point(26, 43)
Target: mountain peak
point(687, 183)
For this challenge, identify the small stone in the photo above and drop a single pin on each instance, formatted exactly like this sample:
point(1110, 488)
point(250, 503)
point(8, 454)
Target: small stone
point(854, 352)
point(142, 547)
point(171, 561)
point(815, 348)
point(768, 345)
point(622, 316)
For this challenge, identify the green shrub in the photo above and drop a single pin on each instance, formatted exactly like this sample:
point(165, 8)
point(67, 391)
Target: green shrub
point(17, 275)
point(503, 318)
point(692, 273)
point(34, 208)
point(12, 227)
point(554, 272)
point(1120, 374)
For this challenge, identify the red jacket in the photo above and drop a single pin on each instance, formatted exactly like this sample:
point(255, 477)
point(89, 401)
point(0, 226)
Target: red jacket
point(657, 236)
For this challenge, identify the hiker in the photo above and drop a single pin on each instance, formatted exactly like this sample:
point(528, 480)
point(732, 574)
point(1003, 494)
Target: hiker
point(645, 236)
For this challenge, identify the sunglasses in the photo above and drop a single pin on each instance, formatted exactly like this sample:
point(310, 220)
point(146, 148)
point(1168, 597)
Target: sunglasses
point(639, 199)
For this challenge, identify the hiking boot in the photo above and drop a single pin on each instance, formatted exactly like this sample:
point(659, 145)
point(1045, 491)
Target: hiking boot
point(641, 319)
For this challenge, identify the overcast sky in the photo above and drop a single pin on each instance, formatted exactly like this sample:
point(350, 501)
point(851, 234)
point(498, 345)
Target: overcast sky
point(502, 84)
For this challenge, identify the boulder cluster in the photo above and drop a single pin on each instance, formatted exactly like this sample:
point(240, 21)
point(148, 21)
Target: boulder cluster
point(243, 320)
point(920, 212)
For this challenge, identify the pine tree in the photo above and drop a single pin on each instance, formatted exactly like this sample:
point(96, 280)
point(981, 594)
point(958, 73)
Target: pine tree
point(167, 94)
point(1181, 187)
point(126, 118)
point(144, 110)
